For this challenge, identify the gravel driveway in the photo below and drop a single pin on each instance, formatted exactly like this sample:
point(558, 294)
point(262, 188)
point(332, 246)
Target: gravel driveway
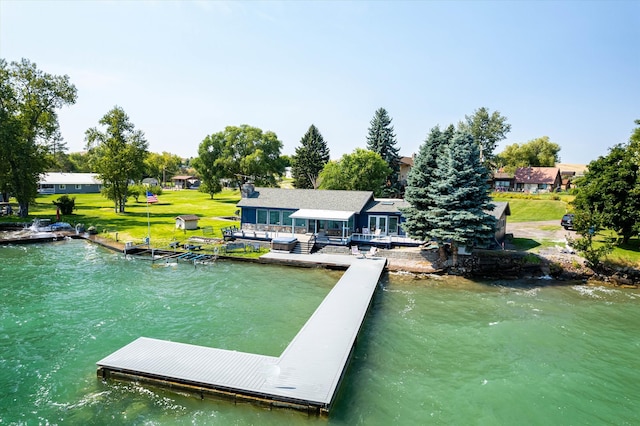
point(544, 230)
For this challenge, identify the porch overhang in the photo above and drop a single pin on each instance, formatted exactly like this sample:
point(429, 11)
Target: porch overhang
point(313, 214)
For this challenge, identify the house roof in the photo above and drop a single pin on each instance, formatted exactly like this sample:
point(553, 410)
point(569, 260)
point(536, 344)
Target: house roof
point(579, 169)
point(337, 215)
point(385, 205)
point(70, 179)
point(188, 217)
point(502, 176)
point(537, 174)
point(501, 207)
point(183, 177)
point(408, 161)
point(316, 199)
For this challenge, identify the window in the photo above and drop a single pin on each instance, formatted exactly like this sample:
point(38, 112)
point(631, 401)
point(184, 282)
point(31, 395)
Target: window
point(378, 222)
point(78, 186)
point(261, 217)
point(393, 225)
point(286, 220)
point(62, 186)
point(274, 217)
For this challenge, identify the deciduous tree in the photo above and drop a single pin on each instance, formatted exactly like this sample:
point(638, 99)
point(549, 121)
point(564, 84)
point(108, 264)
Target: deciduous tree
point(247, 154)
point(382, 141)
point(487, 130)
point(161, 166)
point(29, 99)
point(362, 170)
point(117, 155)
point(540, 152)
point(610, 189)
point(309, 159)
point(209, 153)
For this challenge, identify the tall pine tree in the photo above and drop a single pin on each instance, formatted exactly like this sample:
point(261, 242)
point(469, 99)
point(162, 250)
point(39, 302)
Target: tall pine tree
point(382, 140)
point(309, 159)
point(420, 181)
point(457, 200)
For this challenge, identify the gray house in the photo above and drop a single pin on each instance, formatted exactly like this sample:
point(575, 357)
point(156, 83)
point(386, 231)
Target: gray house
point(334, 216)
point(69, 183)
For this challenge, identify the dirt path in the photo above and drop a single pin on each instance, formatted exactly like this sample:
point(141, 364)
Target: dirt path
point(543, 230)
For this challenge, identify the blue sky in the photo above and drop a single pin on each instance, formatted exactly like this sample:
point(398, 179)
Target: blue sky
point(183, 70)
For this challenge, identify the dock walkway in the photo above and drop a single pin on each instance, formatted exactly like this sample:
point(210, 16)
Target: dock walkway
point(306, 376)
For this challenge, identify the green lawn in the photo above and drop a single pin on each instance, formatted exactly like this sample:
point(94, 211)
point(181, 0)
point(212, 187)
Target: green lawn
point(95, 210)
point(537, 209)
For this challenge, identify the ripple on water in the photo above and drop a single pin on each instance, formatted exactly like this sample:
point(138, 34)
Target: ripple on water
point(436, 351)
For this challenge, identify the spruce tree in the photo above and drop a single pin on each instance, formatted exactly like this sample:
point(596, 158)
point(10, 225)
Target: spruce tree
point(309, 159)
point(448, 193)
point(460, 215)
point(420, 185)
point(382, 140)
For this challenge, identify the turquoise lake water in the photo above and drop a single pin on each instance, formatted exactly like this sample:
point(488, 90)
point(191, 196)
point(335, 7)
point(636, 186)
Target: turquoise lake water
point(433, 351)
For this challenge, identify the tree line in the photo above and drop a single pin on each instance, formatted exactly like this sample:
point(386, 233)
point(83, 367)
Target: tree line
point(447, 184)
point(32, 144)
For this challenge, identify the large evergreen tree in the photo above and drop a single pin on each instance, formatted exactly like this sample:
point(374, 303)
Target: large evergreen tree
point(420, 184)
point(382, 141)
point(309, 160)
point(458, 199)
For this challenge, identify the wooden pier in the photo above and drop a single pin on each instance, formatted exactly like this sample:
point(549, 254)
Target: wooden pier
point(306, 376)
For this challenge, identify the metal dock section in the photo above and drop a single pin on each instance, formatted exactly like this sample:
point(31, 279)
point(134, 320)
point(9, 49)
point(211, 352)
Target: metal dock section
point(306, 376)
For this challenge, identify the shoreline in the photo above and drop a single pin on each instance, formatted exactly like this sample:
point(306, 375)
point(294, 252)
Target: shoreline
point(504, 265)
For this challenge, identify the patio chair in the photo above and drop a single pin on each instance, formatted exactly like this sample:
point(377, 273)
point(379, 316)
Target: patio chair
point(356, 252)
point(372, 252)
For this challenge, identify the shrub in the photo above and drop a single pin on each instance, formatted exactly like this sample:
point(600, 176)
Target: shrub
point(66, 204)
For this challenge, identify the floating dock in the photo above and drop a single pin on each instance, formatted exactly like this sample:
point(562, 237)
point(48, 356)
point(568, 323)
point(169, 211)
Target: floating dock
point(306, 376)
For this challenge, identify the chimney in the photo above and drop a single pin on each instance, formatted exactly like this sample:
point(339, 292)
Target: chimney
point(247, 190)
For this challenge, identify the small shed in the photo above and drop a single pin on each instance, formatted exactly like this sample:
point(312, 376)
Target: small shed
point(187, 221)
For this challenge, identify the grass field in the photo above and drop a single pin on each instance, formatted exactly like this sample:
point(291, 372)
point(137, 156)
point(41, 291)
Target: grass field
point(95, 210)
point(533, 208)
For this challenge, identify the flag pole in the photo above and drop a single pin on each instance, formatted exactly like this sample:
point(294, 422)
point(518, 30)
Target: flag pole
point(148, 226)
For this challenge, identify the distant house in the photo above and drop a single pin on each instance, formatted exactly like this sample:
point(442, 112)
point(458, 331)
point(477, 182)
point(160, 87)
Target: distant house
point(406, 164)
point(150, 181)
point(187, 222)
point(185, 181)
point(537, 179)
point(69, 183)
point(502, 182)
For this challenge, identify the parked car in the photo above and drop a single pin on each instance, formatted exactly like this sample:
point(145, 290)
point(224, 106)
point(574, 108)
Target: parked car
point(567, 221)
